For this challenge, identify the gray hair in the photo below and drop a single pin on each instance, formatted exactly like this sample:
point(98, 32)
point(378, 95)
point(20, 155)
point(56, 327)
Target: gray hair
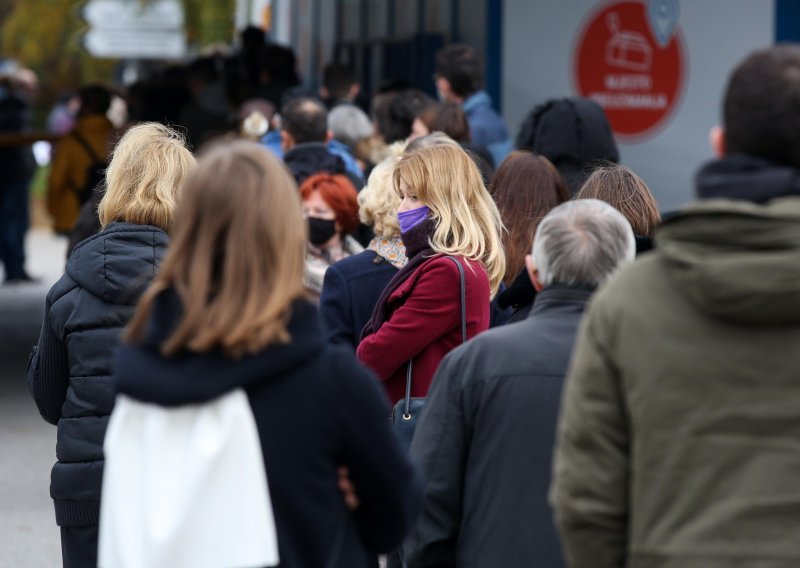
point(429, 141)
point(582, 243)
point(349, 124)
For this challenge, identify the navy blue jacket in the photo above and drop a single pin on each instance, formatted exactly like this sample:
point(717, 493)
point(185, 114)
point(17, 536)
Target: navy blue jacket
point(486, 127)
point(69, 372)
point(316, 409)
point(350, 291)
point(485, 441)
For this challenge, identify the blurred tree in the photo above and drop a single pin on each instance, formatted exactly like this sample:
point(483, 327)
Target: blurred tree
point(44, 35)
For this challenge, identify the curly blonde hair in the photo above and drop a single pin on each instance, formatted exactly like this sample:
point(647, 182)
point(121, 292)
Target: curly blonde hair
point(378, 201)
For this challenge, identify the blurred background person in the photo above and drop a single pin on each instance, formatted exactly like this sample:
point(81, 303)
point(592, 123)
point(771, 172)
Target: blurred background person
point(330, 207)
point(629, 194)
point(69, 372)
point(17, 166)
point(460, 79)
point(352, 286)
point(526, 187)
point(78, 156)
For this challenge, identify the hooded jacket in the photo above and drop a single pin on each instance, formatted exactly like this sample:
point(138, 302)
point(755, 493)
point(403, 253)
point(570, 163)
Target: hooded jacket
point(69, 372)
point(681, 414)
point(305, 160)
point(315, 409)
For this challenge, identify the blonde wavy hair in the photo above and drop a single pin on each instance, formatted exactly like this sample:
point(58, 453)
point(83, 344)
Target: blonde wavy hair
point(239, 199)
point(467, 220)
point(147, 170)
point(378, 201)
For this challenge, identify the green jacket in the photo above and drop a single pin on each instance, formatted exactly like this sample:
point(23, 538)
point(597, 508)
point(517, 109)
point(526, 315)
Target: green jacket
point(679, 435)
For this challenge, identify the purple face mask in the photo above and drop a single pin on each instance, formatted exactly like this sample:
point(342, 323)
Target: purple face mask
point(412, 218)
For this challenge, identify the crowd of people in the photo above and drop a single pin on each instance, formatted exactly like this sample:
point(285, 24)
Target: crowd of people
point(445, 348)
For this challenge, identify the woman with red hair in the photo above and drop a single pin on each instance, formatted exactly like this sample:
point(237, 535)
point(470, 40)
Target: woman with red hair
point(330, 207)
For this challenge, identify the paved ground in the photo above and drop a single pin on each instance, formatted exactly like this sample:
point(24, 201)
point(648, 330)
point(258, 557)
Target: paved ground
point(28, 534)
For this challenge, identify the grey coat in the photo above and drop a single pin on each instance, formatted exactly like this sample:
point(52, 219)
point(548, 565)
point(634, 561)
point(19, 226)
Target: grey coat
point(485, 442)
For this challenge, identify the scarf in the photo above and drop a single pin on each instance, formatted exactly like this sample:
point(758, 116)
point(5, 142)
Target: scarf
point(418, 250)
point(390, 248)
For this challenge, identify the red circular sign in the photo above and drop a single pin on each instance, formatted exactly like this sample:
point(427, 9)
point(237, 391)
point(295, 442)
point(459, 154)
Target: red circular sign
point(619, 62)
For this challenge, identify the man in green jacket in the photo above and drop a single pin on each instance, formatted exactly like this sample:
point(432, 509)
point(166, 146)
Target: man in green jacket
point(679, 435)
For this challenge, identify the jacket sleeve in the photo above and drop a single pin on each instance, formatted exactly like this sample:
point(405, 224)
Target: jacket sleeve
point(61, 181)
point(590, 481)
point(48, 372)
point(335, 308)
point(387, 485)
point(439, 448)
point(430, 311)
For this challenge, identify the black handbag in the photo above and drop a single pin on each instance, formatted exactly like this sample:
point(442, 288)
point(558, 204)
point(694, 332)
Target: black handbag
point(406, 412)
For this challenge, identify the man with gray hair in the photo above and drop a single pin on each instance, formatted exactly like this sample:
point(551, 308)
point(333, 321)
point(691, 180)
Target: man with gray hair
point(486, 436)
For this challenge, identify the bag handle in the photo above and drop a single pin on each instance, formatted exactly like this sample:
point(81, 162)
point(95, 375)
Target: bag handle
point(409, 371)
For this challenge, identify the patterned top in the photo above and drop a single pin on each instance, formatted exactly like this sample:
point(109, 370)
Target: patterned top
point(318, 261)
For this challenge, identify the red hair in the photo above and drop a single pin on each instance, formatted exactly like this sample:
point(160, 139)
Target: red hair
point(340, 195)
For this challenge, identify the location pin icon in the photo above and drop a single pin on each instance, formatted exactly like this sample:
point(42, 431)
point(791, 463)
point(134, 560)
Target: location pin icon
point(663, 18)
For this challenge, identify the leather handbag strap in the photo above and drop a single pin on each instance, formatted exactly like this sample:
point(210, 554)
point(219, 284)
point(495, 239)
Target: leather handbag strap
point(409, 369)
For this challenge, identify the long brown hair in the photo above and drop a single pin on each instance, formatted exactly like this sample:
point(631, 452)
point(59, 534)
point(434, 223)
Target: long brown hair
point(626, 192)
point(237, 256)
point(525, 187)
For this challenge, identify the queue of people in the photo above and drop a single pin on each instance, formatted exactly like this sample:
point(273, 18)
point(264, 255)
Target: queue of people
point(591, 386)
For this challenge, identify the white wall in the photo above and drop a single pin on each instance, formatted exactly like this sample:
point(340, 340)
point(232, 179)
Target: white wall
point(538, 41)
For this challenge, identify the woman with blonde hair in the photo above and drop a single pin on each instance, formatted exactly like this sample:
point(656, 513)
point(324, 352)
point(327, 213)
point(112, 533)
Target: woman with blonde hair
point(69, 372)
point(445, 212)
point(353, 285)
point(621, 188)
point(227, 313)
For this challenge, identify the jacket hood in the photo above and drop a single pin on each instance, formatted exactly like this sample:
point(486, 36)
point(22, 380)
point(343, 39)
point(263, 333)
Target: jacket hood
point(140, 371)
point(736, 260)
point(305, 160)
point(117, 264)
point(572, 133)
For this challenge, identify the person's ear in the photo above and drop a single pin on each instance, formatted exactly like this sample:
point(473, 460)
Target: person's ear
point(717, 139)
point(352, 94)
point(328, 136)
point(533, 273)
point(287, 142)
point(323, 93)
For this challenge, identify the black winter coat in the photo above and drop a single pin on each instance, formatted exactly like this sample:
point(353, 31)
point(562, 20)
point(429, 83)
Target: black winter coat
point(485, 441)
point(69, 372)
point(315, 409)
point(305, 160)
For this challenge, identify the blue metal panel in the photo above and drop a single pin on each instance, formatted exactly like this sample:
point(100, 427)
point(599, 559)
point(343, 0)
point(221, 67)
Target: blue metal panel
point(787, 20)
point(494, 51)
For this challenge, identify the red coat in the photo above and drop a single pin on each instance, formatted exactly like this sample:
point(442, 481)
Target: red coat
point(425, 324)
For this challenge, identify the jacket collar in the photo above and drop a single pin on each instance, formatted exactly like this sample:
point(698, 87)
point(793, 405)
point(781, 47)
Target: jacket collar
point(749, 178)
point(476, 101)
point(557, 295)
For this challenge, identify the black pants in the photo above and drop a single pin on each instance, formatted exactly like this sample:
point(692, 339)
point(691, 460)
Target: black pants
point(79, 547)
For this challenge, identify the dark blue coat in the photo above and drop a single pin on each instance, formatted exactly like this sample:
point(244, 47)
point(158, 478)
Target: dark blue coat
point(350, 291)
point(316, 409)
point(69, 372)
point(486, 438)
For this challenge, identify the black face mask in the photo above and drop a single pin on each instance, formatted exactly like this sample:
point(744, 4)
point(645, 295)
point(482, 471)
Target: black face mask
point(320, 231)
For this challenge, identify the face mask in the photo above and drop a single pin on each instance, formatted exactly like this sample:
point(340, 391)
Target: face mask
point(320, 231)
point(410, 219)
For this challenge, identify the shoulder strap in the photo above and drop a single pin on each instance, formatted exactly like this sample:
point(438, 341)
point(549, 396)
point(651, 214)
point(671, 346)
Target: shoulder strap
point(86, 146)
point(409, 369)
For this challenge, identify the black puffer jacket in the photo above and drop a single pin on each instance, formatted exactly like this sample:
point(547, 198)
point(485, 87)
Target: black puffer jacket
point(68, 374)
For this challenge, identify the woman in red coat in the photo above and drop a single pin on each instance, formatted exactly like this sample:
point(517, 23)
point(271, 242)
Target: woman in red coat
point(445, 211)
